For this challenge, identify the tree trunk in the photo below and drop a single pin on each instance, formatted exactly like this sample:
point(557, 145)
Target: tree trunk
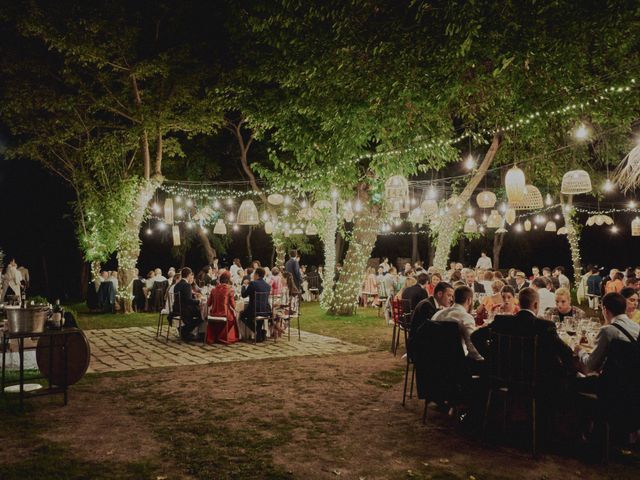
point(130, 248)
point(278, 245)
point(363, 239)
point(462, 243)
point(95, 273)
point(339, 247)
point(248, 243)
point(415, 254)
point(498, 240)
point(209, 251)
point(328, 237)
point(431, 250)
point(450, 223)
point(573, 237)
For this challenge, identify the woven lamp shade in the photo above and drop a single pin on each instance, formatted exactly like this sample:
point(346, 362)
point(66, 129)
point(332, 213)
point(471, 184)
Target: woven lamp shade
point(486, 199)
point(248, 213)
point(168, 211)
point(599, 220)
point(501, 230)
point(220, 228)
point(532, 200)
point(550, 226)
point(311, 229)
point(635, 227)
point(175, 231)
point(494, 220)
point(268, 227)
point(429, 207)
point(396, 193)
point(515, 185)
point(527, 225)
point(576, 182)
point(416, 215)
point(562, 231)
point(275, 199)
point(510, 216)
point(470, 226)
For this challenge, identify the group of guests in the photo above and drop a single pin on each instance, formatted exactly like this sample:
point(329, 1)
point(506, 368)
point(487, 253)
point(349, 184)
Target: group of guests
point(558, 365)
point(273, 294)
point(14, 281)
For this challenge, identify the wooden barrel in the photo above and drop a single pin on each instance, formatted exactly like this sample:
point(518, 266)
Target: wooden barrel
point(50, 357)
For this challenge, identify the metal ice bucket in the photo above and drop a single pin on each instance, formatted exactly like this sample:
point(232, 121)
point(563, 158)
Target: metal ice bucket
point(27, 320)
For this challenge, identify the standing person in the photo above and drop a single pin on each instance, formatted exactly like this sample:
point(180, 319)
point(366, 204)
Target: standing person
point(594, 288)
point(11, 280)
point(631, 295)
point(470, 281)
point(563, 280)
point(614, 285)
point(189, 305)
point(235, 266)
point(415, 294)
point(484, 262)
point(436, 278)
point(385, 265)
point(293, 267)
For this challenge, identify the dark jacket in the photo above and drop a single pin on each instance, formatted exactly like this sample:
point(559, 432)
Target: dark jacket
point(517, 288)
point(555, 359)
point(293, 267)
point(424, 311)
point(189, 305)
point(259, 304)
point(478, 287)
point(414, 294)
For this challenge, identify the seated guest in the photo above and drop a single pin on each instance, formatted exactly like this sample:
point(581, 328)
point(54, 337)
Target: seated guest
point(617, 326)
point(631, 295)
point(408, 282)
point(189, 305)
point(508, 305)
point(416, 293)
point(554, 357)
point(470, 280)
point(460, 312)
point(563, 306)
point(431, 286)
point(221, 303)
point(555, 282)
point(615, 284)
point(426, 309)
point(204, 277)
point(169, 298)
point(486, 279)
point(520, 281)
point(148, 283)
point(546, 298)
point(257, 304)
point(489, 302)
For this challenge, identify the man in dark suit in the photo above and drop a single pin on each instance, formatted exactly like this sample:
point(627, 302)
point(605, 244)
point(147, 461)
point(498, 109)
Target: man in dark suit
point(554, 358)
point(189, 305)
point(520, 282)
point(258, 292)
point(442, 298)
point(416, 293)
point(472, 283)
point(293, 267)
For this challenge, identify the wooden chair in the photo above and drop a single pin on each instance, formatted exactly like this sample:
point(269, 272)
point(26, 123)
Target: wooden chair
point(173, 309)
point(404, 325)
point(157, 295)
point(261, 311)
point(512, 370)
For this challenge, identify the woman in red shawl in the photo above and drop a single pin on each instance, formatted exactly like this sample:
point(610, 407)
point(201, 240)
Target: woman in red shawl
point(221, 303)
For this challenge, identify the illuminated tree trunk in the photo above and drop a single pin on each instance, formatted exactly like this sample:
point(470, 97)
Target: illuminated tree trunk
point(130, 247)
point(361, 243)
point(278, 244)
point(328, 237)
point(451, 222)
point(573, 237)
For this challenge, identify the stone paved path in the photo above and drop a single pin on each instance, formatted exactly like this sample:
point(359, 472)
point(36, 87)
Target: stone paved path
point(137, 347)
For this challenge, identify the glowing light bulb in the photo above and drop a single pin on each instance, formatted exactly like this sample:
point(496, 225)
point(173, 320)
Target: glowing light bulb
point(229, 201)
point(614, 229)
point(178, 199)
point(470, 212)
point(607, 186)
point(481, 228)
point(470, 163)
point(216, 204)
point(204, 230)
point(548, 200)
point(285, 211)
point(189, 225)
point(397, 222)
point(582, 132)
point(149, 231)
point(503, 207)
point(235, 227)
point(231, 217)
point(287, 200)
point(303, 204)
point(431, 193)
point(556, 216)
point(357, 206)
point(162, 225)
point(631, 204)
point(179, 212)
point(413, 201)
point(518, 227)
point(484, 217)
point(155, 207)
point(189, 202)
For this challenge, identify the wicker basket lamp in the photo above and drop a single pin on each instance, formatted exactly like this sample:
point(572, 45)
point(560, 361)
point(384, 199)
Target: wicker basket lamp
point(532, 200)
point(168, 211)
point(486, 199)
point(396, 193)
point(515, 185)
point(220, 228)
point(175, 233)
point(635, 227)
point(575, 182)
point(470, 226)
point(494, 220)
point(550, 226)
point(510, 216)
point(429, 207)
point(248, 213)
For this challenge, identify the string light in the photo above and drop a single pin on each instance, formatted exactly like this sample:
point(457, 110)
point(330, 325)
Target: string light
point(632, 204)
point(548, 200)
point(614, 229)
point(149, 231)
point(607, 186)
point(189, 202)
point(162, 225)
point(216, 204)
point(229, 201)
point(155, 207)
point(582, 132)
point(470, 163)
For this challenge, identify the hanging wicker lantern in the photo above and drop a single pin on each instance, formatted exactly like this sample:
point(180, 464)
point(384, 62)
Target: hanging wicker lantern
point(396, 193)
point(203, 214)
point(248, 213)
point(494, 220)
point(311, 229)
point(501, 229)
point(416, 215)
point(470, 226)
point(515, 185)
point(550, 226)
point(168, 211)
point(429, 207)
point(510, 216)
point(599, 220)
point(275, 199)
point(527, 225)
point(176, 235)
point(562, 231)
point(575, 182)
point(635, 227)
point(532, 200)
point(486, 199)
point(268, 227)
point(220, 228)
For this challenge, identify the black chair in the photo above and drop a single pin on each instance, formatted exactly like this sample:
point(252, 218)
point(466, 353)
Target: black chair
point(92, 296)
point(107, 297)
point(442, 375)
point(157, 295)
point(172, 313)
point(404, 325)
point(512, 371)
point(261, 311)
point(138, 295)
point(313, 284)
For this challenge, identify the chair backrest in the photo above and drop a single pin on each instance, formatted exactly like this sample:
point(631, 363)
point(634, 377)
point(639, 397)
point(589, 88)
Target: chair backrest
point(313, 282)
point(406, 313)
point(441, 367)
point(175, 304)
point(513, 361)
point(261, 304)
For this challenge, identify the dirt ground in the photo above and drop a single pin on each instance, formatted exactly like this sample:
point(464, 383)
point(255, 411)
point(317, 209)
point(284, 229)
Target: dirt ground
point(336, 417)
